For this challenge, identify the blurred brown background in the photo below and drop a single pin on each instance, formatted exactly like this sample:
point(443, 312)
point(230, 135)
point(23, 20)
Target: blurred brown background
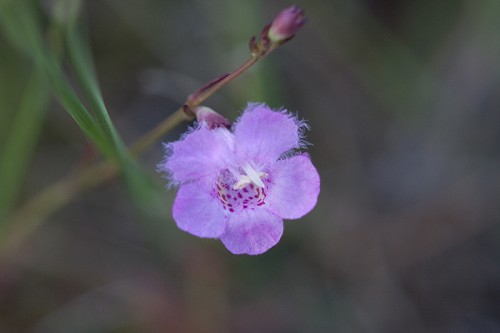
point(402, 99)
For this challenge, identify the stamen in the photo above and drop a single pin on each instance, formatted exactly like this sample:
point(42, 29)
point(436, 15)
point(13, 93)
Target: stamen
point(251, 177)
point(246, 194)
point(255, 176)
point(242, 182)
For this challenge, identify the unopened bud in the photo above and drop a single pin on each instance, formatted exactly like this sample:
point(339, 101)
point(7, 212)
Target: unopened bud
point(286, 24)
point(210, 117)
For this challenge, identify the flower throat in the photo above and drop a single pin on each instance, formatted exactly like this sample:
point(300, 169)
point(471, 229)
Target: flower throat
point(241, 195)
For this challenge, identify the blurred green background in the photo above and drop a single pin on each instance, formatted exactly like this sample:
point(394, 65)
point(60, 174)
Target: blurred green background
point(403, 102)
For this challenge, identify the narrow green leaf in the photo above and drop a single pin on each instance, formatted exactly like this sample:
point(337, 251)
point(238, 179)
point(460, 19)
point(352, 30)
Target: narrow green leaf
point(22, 24)
point(23, 28)
point(81, 59)
point(21, 141)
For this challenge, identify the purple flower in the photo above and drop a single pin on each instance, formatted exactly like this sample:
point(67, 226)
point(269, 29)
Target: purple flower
point(239, 186)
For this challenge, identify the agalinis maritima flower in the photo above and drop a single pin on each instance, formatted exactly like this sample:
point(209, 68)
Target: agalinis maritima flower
point(239, 185)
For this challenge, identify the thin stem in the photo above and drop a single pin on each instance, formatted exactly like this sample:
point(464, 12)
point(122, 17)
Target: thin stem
point(166, 125)
point(27, 219)
point(156, 133)
point(210, 91)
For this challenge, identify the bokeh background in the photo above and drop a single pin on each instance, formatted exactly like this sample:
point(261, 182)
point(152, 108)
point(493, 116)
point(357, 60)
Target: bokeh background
point(403, 102)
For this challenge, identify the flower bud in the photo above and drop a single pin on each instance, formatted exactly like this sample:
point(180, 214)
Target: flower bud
point(286, 24)
point(210, 117)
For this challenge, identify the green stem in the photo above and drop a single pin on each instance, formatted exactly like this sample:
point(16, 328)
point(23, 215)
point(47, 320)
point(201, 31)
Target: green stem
point(26, 220)
point(156, 133)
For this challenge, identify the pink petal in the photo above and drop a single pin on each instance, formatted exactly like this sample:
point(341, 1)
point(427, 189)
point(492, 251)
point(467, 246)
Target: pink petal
point(197, 212)
point(200, 154)
point(252, 232)
point(262, 134)
point(295, 187)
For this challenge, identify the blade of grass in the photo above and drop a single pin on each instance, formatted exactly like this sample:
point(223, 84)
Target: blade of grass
point(22, 24)
point(23, 28)
point(21, 141)
point(81, 60)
